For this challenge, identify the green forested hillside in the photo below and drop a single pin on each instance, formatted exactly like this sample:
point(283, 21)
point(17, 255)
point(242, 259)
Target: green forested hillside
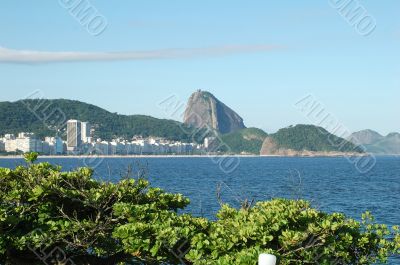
point(312, 138)
point(43, 117)
point(247, 140)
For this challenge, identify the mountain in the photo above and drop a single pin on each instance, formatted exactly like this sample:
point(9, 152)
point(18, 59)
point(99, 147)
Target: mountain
point(42, 116)
point(244, 141)
point(375, 143)
point(204, 109)
point(365, 137)
point(306, 140)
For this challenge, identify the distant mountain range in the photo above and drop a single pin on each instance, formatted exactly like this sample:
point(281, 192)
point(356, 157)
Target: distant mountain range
point(203, 110)
point(377, 143)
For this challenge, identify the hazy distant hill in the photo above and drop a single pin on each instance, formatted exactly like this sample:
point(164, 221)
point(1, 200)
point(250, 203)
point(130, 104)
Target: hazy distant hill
point(247, 140)
point(300, 139)
point(365, 137)
point(204, 109)
point(376, 143)
point(16, 117)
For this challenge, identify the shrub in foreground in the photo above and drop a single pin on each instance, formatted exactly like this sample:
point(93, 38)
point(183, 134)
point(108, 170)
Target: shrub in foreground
point(72, 217)
point(56, 217)
point(296, 233)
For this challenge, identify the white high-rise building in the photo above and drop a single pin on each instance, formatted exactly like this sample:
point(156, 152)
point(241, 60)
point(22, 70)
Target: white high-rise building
point(74, 138)
point(85, 131)
point(25, 142)
point(10, 145)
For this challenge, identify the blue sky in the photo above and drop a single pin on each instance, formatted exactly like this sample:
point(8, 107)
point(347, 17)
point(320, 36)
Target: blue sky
point(259, 57)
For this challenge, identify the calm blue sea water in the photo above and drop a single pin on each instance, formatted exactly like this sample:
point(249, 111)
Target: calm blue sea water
point(332, 184)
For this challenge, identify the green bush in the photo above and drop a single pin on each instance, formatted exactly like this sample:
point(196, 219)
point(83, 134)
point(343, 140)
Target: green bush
point(296, 233)
point(43, 208)
point(70, 217)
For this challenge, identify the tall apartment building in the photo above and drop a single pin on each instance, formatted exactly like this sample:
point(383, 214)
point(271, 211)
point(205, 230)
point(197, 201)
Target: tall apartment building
point(74, 135)
point(85, 131)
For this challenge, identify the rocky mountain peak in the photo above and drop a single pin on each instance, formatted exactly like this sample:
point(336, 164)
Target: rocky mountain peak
point(204, 109)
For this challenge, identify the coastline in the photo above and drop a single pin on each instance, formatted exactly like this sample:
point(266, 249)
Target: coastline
point(190, 156)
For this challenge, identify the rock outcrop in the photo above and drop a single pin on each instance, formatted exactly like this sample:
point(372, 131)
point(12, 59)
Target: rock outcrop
point(205, 110)
point(269, 147)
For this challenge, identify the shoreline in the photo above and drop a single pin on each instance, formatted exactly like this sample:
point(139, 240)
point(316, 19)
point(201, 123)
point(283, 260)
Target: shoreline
point(189, 156)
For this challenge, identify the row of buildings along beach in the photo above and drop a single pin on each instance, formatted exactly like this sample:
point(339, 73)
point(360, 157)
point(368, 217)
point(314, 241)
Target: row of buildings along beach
point(80, 141)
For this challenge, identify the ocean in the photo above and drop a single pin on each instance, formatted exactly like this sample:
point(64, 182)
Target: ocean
point(331, 183)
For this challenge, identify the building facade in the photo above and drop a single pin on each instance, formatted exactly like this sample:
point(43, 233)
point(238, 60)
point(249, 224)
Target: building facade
point(85, 131)
point(74, 136)
point(25, 142)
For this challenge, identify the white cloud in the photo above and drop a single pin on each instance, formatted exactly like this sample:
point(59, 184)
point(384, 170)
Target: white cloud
point(37, 57)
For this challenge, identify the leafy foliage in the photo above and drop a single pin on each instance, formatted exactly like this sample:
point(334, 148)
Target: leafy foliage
point(294, 232)
point(44, 116)
point(31, 157)
point(90, 222)
point(45, 208)
point(312, 138)
point(247, 140)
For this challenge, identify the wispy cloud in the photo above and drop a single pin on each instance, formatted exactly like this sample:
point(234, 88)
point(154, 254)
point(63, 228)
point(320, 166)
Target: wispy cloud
point(37, 57)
